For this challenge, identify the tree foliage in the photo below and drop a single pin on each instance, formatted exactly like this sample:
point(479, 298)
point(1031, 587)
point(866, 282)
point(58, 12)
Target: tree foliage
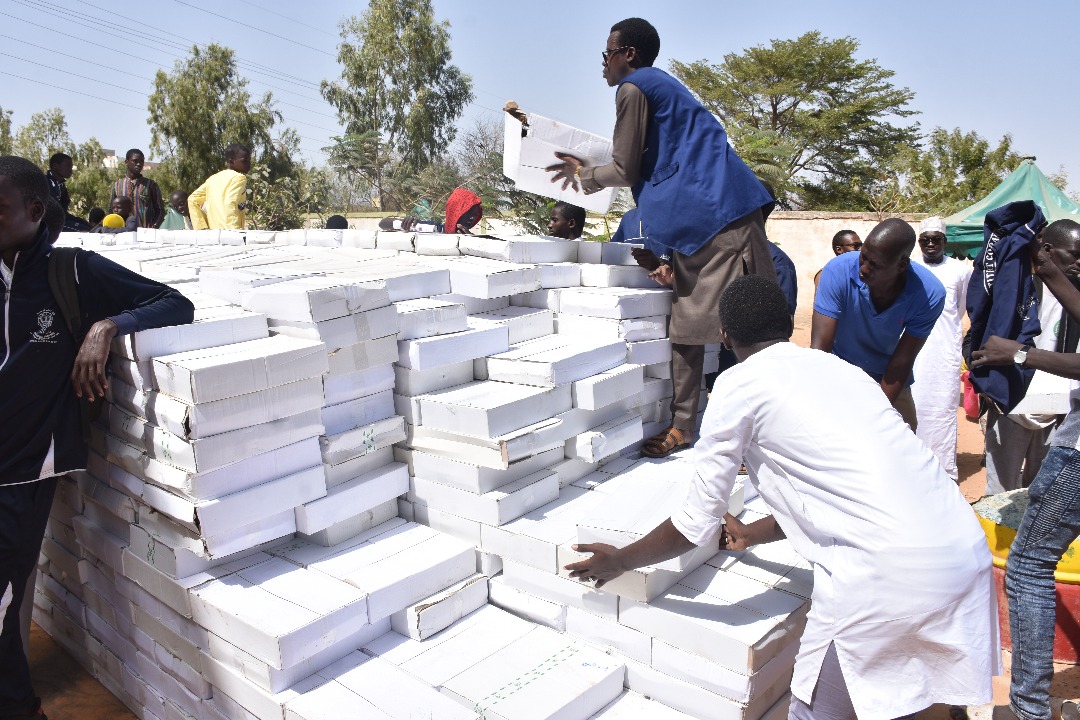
point(200, 108)
point(948, 171)
point(806, 111)
point(397, 82)
point(46, 133)
point(6, 140)
point(91, 184)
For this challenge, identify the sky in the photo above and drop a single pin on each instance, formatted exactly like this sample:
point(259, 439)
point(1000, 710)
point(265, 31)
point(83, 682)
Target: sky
point(990, 66)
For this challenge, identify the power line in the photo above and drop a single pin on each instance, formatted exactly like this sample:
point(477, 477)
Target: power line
point(68, 72)
point(294, 20)
point(252, 27)
point(251, 67)
point(77, 92)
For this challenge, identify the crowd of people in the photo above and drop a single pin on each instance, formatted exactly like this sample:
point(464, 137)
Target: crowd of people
point(135, 200)
point(850, 442)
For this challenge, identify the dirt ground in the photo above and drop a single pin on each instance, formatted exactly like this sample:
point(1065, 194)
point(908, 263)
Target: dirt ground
point(67, 691)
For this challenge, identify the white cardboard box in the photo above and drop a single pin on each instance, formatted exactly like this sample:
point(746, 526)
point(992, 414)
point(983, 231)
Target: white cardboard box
point(213, 326)
point(189, 420)
point(524, 158)
point(215, 451)
point(433, 352)
point(534, 538)
point(338, 332)
point(315, 299)
point(605, 440)
point(438, 612)
point(398, 567)
point(346, 500)
point(361, 411)
point(279, 612)
point(362, 356)
point(522, 323)
point(542, 675)
point(560, 275)
point(490, 409)
point(425, 317)
point(342, 388)
point(605, 388)
point(228, 371)
point(484, 278)
point(615, 303)
point(629, 330)
point(275, 680)
point(472, 478)
point(519, 249)
point(363, 440)
point(351, 527)
point(555, 360)
point(496, 507)
point(417, 382)
point(526, 605)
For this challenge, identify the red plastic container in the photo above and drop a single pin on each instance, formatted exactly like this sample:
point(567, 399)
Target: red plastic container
point(1067, 628)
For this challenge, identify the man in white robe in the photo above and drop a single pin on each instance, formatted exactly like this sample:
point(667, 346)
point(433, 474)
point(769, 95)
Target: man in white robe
point(904, 611)
point(937, 368)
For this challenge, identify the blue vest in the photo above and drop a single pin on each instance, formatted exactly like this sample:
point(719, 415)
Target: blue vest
point(692, 184)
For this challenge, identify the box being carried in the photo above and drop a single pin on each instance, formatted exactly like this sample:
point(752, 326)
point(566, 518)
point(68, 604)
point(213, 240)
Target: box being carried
point(525, 157)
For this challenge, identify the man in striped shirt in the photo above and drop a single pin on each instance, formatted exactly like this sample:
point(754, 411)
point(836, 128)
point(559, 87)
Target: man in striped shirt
point(145, 195)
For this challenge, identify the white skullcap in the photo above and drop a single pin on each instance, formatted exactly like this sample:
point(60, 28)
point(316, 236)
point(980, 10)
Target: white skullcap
point(932, 224)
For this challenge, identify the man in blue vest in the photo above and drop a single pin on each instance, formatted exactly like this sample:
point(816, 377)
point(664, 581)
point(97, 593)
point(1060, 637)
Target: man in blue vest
point(696, 196)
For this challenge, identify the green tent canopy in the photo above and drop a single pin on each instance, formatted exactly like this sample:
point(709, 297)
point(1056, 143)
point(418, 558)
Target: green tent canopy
point(964, 230)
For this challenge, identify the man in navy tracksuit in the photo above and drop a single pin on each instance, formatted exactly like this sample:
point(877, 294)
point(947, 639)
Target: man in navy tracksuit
point(43, 372)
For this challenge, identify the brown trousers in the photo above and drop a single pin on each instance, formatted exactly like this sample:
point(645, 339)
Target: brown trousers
point(739, 249)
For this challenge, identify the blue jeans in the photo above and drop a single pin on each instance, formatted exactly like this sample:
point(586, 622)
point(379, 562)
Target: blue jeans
point(1051, 523)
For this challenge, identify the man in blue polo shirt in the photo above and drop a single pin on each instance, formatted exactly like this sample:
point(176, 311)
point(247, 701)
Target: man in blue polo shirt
point(875, 309)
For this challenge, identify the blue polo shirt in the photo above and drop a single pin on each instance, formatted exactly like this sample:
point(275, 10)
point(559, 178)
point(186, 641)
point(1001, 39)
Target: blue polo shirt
point(865, 337)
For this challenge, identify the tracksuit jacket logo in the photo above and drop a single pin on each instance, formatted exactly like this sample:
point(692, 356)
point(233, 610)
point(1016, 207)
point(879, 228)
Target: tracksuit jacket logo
point(45, 333)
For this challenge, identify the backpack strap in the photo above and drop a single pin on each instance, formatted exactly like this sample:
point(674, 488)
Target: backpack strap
point(63, 281)
point(65, 288)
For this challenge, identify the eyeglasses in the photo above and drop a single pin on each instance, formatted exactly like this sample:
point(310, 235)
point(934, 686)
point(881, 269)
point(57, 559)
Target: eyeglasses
point(606, 54)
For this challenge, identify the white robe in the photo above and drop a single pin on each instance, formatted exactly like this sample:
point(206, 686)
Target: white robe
point(937, 367)
point(902, 572)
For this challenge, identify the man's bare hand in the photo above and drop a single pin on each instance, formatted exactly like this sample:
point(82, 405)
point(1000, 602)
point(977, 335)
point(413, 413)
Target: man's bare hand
point(565, 170)
point(996, 351)
point(645, 258)
point(603, 566)
point(663, 275)
point(88, 375)
point(735, 535)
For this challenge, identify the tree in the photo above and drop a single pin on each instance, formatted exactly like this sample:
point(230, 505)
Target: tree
point(397, 81)
point(952, 169)
point(203, 106)
point(6, 141)
point(91, 184)
point(45, 134)
point(808, 106)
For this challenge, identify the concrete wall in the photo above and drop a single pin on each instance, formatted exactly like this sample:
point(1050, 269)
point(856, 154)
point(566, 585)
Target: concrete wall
point(807, 239)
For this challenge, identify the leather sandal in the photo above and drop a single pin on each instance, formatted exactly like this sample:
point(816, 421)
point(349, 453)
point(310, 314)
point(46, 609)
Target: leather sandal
point(665, 443)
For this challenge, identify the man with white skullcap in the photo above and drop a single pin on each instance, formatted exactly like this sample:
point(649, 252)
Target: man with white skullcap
point(937, 368)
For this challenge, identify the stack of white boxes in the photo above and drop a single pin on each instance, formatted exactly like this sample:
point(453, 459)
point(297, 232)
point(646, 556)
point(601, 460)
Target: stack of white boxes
point(235, 551)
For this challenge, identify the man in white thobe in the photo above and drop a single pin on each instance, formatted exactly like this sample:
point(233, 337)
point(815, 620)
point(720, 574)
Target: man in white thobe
point(904, 612)
point(937, 368)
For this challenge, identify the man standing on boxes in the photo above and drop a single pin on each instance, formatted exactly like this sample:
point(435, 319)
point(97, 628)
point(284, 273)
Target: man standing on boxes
point(44, 371)
point(696, 196)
